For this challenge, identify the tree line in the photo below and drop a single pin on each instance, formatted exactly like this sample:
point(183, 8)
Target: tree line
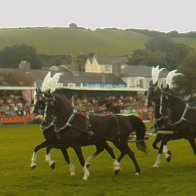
point(12, 56)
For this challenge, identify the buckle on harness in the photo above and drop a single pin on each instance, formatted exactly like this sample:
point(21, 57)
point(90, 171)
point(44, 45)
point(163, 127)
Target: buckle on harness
point(90, 133)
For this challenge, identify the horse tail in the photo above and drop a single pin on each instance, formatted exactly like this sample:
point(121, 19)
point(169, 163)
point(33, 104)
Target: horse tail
point(140, 130)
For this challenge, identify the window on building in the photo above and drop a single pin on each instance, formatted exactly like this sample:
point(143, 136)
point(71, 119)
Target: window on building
point(140, 82)
point(71, 85)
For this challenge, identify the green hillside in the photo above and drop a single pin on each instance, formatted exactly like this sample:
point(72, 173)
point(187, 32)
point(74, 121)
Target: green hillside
point(75, 41)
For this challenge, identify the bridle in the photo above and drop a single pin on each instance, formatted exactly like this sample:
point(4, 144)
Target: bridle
point(186, 108)
point(154, 96)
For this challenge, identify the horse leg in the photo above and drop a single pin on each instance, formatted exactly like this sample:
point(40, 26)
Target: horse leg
point(163, 148)
point(156, 141)
point(66, 157)
point(89, 160)
point(105, 146)
point(80, 156)
point(158, 159)
point(116, 163)
point(35, 151)
point(124, 149)
point(132, 157)
point(49, 159)
point(167, 153)
point(192, 143)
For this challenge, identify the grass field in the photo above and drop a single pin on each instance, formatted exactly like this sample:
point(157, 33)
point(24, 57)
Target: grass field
point(17, 142)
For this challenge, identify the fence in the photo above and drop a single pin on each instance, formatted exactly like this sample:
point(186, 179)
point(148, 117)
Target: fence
point(16, 120)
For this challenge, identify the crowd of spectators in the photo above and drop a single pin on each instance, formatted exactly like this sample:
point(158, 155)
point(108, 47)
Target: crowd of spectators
point(13, 105)
point(113, 104)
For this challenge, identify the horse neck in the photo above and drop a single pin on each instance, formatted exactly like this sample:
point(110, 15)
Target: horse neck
point(177, 109)
point(63, 111)
point(157, 109)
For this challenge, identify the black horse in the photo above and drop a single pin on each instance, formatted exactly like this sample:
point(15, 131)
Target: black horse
point(171, 115)
point(51, 140)
point(50, 137)
point(153, 100)
point(182, 117)
point(76, 130)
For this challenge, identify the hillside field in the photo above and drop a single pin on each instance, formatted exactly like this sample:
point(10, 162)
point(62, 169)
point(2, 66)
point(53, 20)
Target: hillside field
point(77, 41)
point(17, 179)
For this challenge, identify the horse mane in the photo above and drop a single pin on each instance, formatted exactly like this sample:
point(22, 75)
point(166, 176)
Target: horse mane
point(177, 107)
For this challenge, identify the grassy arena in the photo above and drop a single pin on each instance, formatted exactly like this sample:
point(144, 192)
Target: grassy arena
point(16, 145)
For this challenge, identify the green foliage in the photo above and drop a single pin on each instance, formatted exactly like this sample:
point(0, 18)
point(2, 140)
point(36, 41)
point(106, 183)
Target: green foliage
point(16, 146)
point(80, 61)
point(147, 57)
point(161, 50)
point(12, 56)
point(187, 84)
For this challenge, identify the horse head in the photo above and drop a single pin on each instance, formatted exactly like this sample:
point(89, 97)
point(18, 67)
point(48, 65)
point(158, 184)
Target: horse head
point(57, 107)
point(38, 103)
point(153, 94)
point(171, 104)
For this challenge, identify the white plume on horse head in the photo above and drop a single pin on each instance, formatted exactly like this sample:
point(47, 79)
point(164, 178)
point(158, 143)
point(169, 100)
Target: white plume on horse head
point(155, 74)
point(50, 83)
point(170, 77)
point(46, 82)
point(54, 82)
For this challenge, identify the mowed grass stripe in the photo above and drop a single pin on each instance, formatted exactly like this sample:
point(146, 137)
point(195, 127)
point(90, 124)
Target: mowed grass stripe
point(16, 146)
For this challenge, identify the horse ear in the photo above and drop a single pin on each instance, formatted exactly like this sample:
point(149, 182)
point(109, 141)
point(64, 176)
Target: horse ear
point(167, 87)
point(38, 90)
point(150, 83)
point(156, 83)
point(47, 93)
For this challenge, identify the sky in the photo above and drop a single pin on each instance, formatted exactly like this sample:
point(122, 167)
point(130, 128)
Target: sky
point(158, 15)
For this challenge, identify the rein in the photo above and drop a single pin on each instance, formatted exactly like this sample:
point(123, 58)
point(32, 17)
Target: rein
point(89, 132)
point(67, 124)
point(44, 128)
point(186, 109)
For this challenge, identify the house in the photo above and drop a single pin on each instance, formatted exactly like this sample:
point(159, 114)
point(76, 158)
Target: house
point(81, 79)
point(15, 77)
point(139, 76)
point(104, 64)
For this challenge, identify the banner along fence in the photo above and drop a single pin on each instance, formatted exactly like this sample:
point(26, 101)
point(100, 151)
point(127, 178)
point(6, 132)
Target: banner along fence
point(16, 120)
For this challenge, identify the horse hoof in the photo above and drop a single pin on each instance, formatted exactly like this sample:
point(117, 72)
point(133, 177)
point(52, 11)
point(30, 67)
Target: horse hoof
point(155, 166)
point(116, 172)
point(73, 174)
point(33, 166)
point(85, 178)
point(169, 156)
point(137, 174)
point(53, 165)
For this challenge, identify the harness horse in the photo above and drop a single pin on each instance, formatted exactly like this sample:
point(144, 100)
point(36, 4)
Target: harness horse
point(71, 130)
point(49, 135)
point(182, 116)
point(175, 112)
